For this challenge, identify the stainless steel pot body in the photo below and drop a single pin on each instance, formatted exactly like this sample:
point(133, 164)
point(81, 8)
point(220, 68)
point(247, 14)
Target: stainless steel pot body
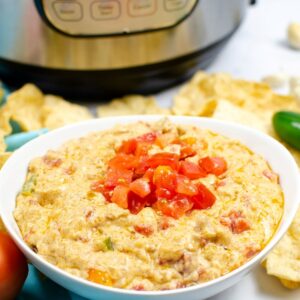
point(27, 39)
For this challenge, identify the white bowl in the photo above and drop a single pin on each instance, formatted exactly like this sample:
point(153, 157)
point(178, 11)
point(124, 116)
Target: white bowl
point(12, 177)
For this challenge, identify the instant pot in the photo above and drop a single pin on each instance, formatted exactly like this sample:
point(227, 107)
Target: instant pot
point(104, 48)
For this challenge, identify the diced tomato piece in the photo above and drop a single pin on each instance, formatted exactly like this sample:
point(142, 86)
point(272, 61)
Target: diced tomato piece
point(144, 229)
point(174, 208)
point(164, 159)
point(149, 137)
point(149, 175)
point(98, 186)
point(213, 165)
point(142, 148)
point(204, 199)
point(128, 147)
point(165, 177)
point(142, 167)
point(141, 187)
point(185, 186)
point(239, 225)
point(120, 196)
point(124, 161)
point(116, 177)
point(136, 203)
point(191, 170)
point(187, 151)
point(162, 193)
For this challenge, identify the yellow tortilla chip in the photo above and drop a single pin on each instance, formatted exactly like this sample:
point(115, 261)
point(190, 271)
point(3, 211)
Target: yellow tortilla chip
point(284, 261)
point(290, 284)
point(5, 116)
point(3, 158)
point(227, 111)
point(131, 105)
point(57, 112)
point(24, 106)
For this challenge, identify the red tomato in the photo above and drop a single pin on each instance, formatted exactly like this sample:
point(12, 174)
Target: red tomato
point(115, 177)
point(239, 225)
point(213, 165)
point(136, 203)
point(164, 159)
point(191, 170)
point(185, 186)
point(13, 268)
point(165, 177)
point(162, 193)
point(98, 186)
point(149, 175)
point(128, 147)
point(120, 196)
point(124, 161)
point(144, 229)
point(142, 148)
point(142, 167)
point(187, 151)
point(149, 137)
point(141, 187)
point(204, 199)
point(174, 208)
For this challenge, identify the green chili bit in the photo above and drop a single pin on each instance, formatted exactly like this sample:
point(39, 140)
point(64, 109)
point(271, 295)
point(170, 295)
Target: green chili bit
point(108, 244)
point(29, 185)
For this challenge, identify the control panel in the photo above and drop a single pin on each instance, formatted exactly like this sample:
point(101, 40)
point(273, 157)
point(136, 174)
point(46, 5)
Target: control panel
point(110, 17)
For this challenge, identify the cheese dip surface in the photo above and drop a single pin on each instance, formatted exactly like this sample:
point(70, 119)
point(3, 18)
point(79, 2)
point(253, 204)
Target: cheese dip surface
point(149, 206)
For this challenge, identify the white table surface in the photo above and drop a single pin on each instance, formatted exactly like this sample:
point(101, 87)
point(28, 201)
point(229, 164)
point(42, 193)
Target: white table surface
point(258, 48)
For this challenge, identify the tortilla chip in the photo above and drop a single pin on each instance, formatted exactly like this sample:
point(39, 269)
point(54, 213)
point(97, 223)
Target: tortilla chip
point(24, 107)
point(290, 284)
point(227, 111)
point(251, 96)
point(57, 112)
point(5, 115)
point(3, 158)
point(284, 261)
point(131, 105)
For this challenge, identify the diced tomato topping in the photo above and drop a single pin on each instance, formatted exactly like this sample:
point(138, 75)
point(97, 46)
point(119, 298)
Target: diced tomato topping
point(185, 186)
point(124, 161)
point(191, 170)
point(116, 177)
point(187, 151)
point(141, 187)
point(136, 203)
point(163, 193)
point(204, 199)
point(164, 177)
point(120, 196)
point(128, 147)
point(174, 208)
point(149, 137)
point(144, 229)
point(100, 277)
point(164, 159)
point(136, 179)
point(213, 165)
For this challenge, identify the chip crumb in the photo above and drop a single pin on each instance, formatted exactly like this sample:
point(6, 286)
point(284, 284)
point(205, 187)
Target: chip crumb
point(131, 105)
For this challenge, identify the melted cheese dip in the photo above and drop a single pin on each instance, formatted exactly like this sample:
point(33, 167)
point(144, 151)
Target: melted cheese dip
point(77, 230)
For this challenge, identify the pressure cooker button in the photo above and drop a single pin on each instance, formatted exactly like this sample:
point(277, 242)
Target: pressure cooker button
point(171, 5)
point(68, 11)
point(106, 9)
point(139, 8)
